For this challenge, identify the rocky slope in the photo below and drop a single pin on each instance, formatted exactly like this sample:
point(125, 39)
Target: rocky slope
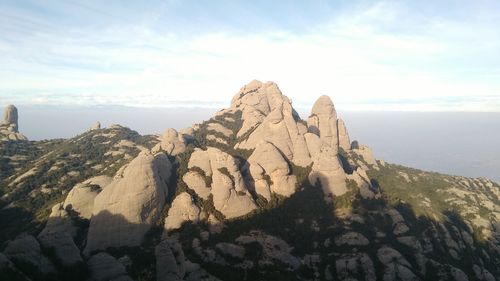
point(254, 193)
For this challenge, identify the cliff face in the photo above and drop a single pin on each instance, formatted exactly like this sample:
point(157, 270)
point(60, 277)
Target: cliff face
point(254, 193)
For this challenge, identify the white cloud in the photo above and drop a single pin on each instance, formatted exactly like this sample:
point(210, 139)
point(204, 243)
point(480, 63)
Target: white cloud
point(355, 60)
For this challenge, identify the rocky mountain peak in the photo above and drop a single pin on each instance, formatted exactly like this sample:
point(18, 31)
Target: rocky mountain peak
point(10, 115)
point(323, 121)
point(9, 128)
point(263, 97)
point(254, 193)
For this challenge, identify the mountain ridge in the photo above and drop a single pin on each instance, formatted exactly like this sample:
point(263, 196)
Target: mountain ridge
point(191, 202)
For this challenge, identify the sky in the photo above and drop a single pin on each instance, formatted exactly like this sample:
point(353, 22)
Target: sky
point(366, 55)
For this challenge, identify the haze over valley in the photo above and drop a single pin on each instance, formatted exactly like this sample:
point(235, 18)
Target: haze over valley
point(458, 143)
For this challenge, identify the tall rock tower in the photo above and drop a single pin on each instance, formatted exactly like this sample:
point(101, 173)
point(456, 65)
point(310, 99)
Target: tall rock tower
point(9, 128)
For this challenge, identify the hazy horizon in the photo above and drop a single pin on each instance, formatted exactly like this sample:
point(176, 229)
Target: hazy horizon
point(458, 143)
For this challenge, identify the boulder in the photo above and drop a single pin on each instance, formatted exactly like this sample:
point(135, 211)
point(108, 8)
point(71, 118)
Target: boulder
point(230, 194)
point(104, 267)
point(169, 261)
point(266, 160)
point(364, 152)
point(328, 171)
point(59, 221)
point(396, 266)
point(351, 239)
point(81, 197)
point(182, 210)
point(125, 210)
point(171, 143)
point(231, 249)
point(355, 264)
point(196, 182)
point(64, 247)
point(58, 235)
point(274, 249)
point(26, 249)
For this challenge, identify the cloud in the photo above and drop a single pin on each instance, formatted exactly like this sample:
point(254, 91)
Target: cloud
point(364, 59)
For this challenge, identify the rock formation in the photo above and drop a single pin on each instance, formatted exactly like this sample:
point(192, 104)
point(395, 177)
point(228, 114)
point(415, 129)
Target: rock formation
point(182, 210)
point(10, 116)
point(125, 210)
point(270, 172)
point(9, 128)
point(81, 197)
point(96, 126)
point(328, 172)
point(171, 143)
point(246, 204)
point(343, 135)
point(26, 250)
point(323, 122)
point(104, 267)
point(228, 189)
point(268, 115)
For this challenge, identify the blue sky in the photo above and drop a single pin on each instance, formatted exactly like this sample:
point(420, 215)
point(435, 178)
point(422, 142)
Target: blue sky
point(367, 55)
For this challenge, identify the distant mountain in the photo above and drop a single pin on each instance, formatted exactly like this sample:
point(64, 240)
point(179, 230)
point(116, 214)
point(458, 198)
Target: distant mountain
point(254, 193)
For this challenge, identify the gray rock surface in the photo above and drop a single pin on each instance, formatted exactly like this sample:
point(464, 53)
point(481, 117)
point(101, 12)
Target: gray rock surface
point(328, 171)
point(104, 267)
point(171, 143)
point(274, 249)
point(352, 239)
point(343, 135)
point(9, 127)
point(266, 163)
point(63, 245)
point(10, 116)
point(26, 249)
point(355, 264)
point(265, 108)
point(125, 210)
point(169, 261)
point(323, 122)
point(182, 210)
point(230, 194)
point(81, 197)
point(196, 182)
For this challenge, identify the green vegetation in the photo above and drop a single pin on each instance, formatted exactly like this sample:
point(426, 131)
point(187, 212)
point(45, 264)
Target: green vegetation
point(56, 166)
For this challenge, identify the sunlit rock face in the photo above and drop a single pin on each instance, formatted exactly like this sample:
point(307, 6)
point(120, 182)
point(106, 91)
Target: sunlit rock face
point(229, 191)
point(125, 210)
point(171, 142)
point(270, 172)
point(9, 128)
point(268, 115)
point(299, 202)
point(323, 122)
